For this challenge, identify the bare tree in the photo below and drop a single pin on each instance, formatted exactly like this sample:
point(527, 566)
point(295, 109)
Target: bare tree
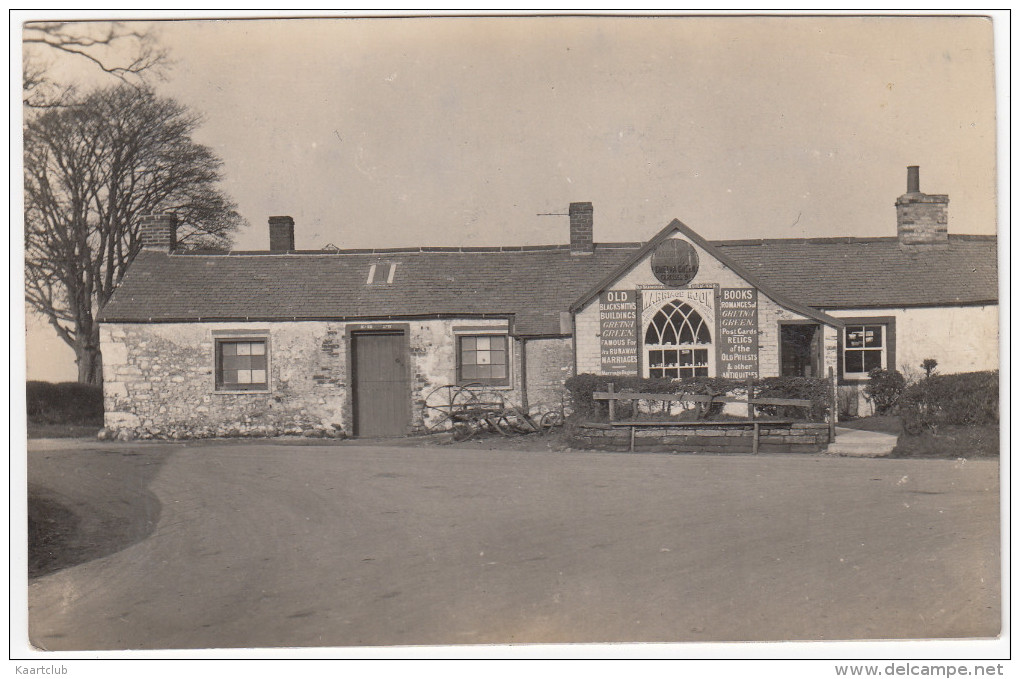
point(115, 48)
point(91, 170)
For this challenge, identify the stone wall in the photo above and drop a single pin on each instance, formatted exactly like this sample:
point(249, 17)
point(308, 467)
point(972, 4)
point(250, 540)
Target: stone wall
point(801, 437)
point(159, 379)
point(550, 364)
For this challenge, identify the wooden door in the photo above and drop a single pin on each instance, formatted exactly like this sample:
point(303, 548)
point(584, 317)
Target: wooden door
point(381, 384)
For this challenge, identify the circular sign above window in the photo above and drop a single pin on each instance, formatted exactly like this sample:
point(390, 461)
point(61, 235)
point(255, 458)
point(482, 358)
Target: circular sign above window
point(675, 262)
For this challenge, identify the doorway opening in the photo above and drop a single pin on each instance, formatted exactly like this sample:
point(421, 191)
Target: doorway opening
point(800, 350)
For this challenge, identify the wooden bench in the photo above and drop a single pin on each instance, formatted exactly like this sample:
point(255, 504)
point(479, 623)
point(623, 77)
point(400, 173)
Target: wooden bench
point(704, 403)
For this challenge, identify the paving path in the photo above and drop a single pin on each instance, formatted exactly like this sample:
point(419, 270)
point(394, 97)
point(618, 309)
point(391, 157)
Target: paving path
point(860, 443)
point(277, 545)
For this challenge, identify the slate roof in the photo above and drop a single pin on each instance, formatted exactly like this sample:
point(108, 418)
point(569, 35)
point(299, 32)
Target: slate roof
point(834, 273)
point(533, 285)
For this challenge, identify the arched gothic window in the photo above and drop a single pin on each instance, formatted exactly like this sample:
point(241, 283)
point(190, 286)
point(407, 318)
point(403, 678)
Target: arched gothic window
point(676, 342)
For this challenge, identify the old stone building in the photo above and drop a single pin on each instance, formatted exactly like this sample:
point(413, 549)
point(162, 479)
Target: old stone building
point(353, 341)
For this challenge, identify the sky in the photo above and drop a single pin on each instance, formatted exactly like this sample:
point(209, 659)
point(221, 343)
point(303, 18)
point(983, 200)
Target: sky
point(469, 131)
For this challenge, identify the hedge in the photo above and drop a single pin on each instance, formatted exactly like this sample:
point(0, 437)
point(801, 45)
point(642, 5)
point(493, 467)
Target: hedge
point(64, 403)
point(963, 398)
point(816, 390)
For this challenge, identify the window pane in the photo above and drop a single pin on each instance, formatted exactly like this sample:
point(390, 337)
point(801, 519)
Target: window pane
point(234, 362)
point(873, 336)
point(382, 273)
point(671, 372)
point(872, 360)
point(244, 377)
point(258, 362)
point(468, 343)
point(854, 336)
point(469, 372)
point(669, 335)
point(258, 348)
point(686, 372)
point(228, 348)
point(701, 356)
point(468, 357)
point(655, 372)
point(258, 376)
point(854, 362)
point(243, 349)
point(483, 358)
point(229, 377)
point(701, 372)
point(498, 342)
point(498, 371)
point(655, 358)
point(686, 357)
point(483, 342)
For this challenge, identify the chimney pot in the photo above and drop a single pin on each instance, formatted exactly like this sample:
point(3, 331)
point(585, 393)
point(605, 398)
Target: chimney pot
point(158, 232)
point(581, 229)
point(281, 234)
point(913, 179)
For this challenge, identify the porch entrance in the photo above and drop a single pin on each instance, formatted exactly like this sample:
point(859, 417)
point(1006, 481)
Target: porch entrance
point(800, 350)
point(381, 384)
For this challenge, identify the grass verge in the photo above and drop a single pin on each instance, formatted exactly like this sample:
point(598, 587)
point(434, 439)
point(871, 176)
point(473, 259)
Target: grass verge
point(951, 441)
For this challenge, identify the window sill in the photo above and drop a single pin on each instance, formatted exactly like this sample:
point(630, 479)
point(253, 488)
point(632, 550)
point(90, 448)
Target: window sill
point(482, 385)
point(234, 392)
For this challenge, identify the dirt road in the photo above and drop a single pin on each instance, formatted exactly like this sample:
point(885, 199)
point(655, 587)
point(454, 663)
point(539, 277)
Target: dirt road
point(277, 545)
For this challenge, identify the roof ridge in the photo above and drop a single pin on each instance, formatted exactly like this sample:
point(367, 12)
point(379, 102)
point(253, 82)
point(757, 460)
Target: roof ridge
point(465, 249)
point(851, 240)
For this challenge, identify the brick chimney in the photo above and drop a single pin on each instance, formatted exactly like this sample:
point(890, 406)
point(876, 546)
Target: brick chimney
point(921, 219)
point(158, 232)
point(581, 229)
point(281, 234)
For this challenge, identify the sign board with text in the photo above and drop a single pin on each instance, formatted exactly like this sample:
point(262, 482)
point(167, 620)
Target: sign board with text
point(618, 331)
point(738, 333)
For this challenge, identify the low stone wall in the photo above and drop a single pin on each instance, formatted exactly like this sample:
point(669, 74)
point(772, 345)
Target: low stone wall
point(800, 437)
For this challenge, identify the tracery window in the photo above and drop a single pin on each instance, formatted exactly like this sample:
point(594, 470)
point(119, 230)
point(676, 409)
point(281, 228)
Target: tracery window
point(677, 341)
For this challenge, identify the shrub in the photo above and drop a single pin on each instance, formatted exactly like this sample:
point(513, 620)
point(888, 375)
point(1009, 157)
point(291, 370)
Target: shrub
point(963, 398)
point(64, 403)
point(884, 389)
point(814, 389)
point(581, 388)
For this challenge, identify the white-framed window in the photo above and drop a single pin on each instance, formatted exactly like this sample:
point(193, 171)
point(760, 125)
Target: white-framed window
point(678, 342)
point(865, 347)
point(242, 364)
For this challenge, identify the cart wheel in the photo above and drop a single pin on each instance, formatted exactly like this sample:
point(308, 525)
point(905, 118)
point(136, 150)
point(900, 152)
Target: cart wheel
point(549, 420)
point(487, 398)
point(442, 404)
